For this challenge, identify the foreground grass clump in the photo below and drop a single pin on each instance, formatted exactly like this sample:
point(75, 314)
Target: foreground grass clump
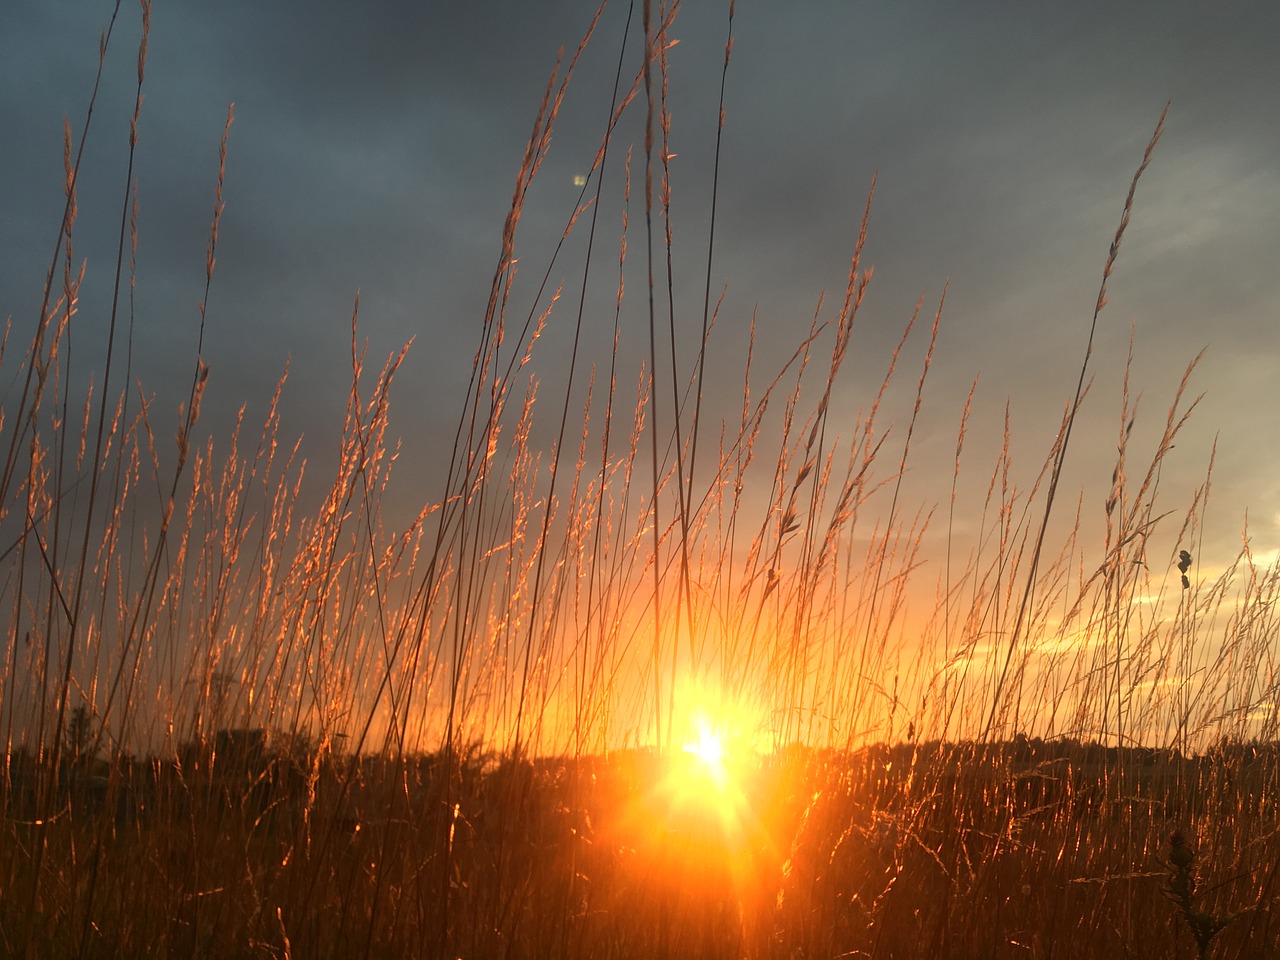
point(685, 681)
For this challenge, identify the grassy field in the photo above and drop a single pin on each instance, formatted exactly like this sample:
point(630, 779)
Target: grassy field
point(1020, 849)
point(646, 677)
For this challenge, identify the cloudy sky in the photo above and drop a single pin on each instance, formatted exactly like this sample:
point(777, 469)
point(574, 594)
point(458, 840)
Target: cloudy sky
point(375, 145)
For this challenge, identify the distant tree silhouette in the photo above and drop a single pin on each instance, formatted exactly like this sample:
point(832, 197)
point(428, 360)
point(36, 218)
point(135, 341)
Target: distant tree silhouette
point(78, 736)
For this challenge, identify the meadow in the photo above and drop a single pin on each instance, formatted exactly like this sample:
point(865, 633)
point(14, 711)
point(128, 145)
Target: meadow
point(648, 676)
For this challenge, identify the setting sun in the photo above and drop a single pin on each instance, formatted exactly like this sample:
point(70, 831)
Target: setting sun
point(708, 751)
point(700, 816)
point(703, 779)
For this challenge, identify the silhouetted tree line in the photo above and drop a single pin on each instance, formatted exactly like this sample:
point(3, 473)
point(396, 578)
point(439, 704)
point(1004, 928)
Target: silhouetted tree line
point(281, 778)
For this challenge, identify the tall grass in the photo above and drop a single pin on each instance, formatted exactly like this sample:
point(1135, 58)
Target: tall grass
point(242, 721)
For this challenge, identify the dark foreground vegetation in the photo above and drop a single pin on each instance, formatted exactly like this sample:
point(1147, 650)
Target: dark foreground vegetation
point(1024, 848)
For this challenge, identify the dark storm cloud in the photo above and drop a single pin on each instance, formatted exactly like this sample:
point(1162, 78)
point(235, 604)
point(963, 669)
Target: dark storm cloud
point(375, 147)
point(1004, 139)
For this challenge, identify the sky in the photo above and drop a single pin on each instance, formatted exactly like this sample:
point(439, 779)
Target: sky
point(375, 147)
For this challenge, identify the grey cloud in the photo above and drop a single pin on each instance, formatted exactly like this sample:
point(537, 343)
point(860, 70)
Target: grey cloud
point(375, 146)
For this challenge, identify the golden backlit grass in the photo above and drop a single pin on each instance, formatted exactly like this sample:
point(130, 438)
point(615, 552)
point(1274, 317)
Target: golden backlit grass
point(649, 675)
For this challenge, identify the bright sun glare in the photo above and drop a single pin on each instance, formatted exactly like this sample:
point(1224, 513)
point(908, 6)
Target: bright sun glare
point(705, 778)
point(696, 813)
point(707, 751)
point(696, 818)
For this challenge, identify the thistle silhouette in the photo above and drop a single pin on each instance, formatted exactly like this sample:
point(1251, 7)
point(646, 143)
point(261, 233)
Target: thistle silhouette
point(1184, 564)
point(1181, 887)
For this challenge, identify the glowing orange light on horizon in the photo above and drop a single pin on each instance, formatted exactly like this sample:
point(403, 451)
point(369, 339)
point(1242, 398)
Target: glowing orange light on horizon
point(698, 825)
point(708, 751)
point(698, 822)
point(704, 780)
